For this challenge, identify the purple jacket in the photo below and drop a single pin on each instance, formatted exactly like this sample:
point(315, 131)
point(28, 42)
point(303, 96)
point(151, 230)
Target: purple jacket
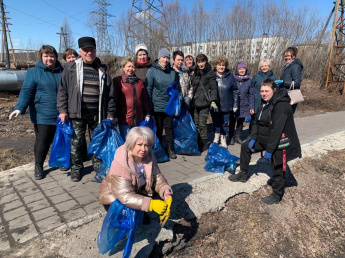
point(246, 95)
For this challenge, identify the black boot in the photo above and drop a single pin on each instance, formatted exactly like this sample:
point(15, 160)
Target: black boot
point(38, 171)
point(273, 198)
point(231, 135)
point(240, 177)
point(205, 145)
point(171, 151)
point(238, 135)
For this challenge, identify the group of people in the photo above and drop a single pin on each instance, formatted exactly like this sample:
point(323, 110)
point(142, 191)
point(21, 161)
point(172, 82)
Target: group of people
point(84, 92)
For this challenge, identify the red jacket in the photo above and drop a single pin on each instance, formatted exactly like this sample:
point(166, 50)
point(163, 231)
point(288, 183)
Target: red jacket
point(132, 104)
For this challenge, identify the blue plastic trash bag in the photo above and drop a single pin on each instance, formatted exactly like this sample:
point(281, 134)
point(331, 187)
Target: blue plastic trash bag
point(104, 143)
point(173, 107)
point(185, 135)
point(60, 153)
point(119, 222)
point(157, 149)
point(219, 159)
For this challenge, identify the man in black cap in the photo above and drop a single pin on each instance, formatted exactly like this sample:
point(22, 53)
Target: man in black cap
point(86, 96)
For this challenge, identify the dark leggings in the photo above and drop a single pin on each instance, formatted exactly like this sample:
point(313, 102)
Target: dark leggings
point(44, 138)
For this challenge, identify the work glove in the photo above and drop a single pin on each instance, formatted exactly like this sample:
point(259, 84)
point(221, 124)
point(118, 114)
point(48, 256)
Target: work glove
point(250, 145)
point(278, 82)
point(147, 118)
point(235, 109)
point(267, 156)
point(248, 119)
point(163, 218)
point(214, 106)
point(187, 100)
point(158, 206)
point(15, 113)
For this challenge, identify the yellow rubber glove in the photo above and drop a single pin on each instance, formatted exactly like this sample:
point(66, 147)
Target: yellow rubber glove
point(158, 206)
point(163, 218)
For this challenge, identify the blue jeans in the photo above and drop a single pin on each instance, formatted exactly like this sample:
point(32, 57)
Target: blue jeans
point(124, 129)
point(220, 122)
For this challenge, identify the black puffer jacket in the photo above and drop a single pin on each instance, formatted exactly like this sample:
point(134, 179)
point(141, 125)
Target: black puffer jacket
point(292, 72)
point(271, 121)
point(207, 78)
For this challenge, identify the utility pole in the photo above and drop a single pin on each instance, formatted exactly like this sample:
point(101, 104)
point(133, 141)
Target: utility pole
point(4, 43)
point(103, 39)
point(336, 66)
point(62, 35)
point(147, 24)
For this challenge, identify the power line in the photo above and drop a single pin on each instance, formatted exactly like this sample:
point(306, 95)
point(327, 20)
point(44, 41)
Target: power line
point(39, 19)
point(65, 13)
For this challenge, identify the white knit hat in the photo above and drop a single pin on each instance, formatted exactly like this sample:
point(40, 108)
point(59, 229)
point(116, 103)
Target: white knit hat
point(141, 47)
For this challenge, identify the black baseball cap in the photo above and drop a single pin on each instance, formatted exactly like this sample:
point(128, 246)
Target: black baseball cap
point(85, 42)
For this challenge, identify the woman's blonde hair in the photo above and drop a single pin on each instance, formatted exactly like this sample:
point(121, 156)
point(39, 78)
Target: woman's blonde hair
point(262, 61)
point(139, 132)
point(220, 60)
point(126, 60)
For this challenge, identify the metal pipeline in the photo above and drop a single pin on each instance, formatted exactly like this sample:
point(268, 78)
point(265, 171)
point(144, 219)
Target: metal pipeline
point(11, 79)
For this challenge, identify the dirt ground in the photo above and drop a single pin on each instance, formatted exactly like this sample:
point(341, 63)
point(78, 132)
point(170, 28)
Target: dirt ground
point(17, 135)
point(309, 222)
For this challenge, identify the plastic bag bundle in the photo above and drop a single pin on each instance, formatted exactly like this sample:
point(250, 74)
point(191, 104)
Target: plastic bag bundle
point(104, 143)
point(157, 149)
point(185, 135)
point(119, 222)
point(60, 153)
point(219, 159)
point(173, 107)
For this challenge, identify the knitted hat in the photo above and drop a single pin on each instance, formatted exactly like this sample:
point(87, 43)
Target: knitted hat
point(164, 52)
point(241, 65)
point(188, 54)
point(141, 47)
point(85, 42)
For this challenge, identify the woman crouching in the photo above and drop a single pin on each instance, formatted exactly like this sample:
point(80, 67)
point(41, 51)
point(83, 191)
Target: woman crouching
point(134, 175)
point(273, 122)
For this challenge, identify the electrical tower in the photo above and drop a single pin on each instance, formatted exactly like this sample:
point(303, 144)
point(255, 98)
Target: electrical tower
point(103, 40)
point(336, 66)
point(147, 24)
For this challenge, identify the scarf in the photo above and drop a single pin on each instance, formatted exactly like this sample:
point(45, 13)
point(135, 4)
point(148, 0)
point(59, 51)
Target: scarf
point(161, 66)
point(142, 63)
point(240, 78)
point(131, 79)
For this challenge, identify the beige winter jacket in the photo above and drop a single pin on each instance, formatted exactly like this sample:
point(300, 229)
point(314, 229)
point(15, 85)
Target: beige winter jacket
point(122, 181)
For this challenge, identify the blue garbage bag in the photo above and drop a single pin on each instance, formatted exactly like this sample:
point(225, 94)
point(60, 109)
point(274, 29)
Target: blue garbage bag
point(119, 222)
point(104, 143)
point(60, 152)
point(173, 107)
point(219, 159)
point(157, 149)
point(185, 135)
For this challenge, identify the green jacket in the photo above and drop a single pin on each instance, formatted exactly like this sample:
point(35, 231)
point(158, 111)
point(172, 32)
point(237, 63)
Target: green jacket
point(156, 83)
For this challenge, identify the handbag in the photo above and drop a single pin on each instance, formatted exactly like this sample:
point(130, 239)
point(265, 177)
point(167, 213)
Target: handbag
point(295, 95)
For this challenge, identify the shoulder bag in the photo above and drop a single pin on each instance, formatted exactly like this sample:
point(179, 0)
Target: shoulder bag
point(295, 95)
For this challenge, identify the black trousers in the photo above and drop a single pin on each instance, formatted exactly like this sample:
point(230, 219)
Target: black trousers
point(278, 173)
point(44, 138)
point(165, 121)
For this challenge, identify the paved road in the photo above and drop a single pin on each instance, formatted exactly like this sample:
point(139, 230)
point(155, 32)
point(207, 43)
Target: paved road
point(29, 208)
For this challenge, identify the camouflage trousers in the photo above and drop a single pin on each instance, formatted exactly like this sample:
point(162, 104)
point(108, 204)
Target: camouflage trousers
point(200, 120)
point(78, 141)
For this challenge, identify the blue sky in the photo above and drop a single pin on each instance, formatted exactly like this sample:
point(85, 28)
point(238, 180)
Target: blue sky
point(38, 21)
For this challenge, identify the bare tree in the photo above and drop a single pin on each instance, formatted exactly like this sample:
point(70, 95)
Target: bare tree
point(68, 39)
